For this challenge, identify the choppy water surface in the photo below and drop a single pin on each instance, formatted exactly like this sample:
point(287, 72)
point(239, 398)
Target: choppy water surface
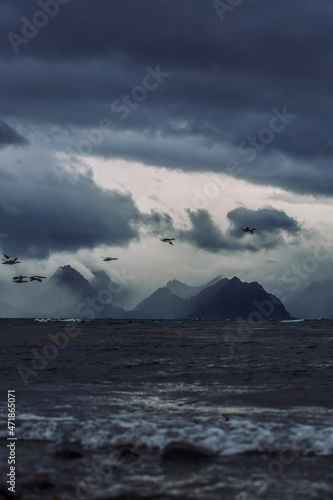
point(169, 409)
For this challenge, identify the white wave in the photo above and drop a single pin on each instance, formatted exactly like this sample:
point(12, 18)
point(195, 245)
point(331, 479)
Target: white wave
point(292, 320)
point(46, 320)
point(227, 438)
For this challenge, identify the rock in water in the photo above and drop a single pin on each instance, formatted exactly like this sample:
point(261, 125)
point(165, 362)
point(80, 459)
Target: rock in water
point(180, 451)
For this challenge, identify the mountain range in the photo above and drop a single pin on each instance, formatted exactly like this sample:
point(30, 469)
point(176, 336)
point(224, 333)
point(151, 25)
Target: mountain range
point(224, 299)
point(68, 294)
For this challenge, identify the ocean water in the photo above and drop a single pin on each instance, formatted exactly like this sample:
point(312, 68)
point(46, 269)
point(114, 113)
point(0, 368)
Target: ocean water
point(112, 409)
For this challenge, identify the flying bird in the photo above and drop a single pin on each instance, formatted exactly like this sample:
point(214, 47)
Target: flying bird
point(248, 229)
point(10, 261)
point(37, 278)
point(107, 259)
point(167, 240)
point(20, 279)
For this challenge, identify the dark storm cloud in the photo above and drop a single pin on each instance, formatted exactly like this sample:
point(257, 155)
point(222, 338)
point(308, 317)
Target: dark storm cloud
point(65, 213)
point(9, 136)
point(265, 219)
point(274, 228)
point(227, 82)
point(65, 219)
point(157, 223)
point(205, 234)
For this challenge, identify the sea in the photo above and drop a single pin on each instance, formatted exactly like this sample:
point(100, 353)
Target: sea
point(166, 409)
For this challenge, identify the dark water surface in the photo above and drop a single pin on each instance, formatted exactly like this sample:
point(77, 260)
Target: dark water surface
point(169, 409)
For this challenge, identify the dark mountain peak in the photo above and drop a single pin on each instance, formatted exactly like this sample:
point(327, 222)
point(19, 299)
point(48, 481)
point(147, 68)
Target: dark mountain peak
point(175, 282)
point(65, 270)
point(224, 299)
point(159, 294)
point(69, 294)
point(185, 291)
point(161, 304)
point(235, 299)
point(67, 274)
point(68, 278)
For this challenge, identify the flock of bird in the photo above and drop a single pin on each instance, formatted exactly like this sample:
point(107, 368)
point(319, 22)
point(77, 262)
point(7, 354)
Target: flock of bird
point(25, 279)
point(20, 279)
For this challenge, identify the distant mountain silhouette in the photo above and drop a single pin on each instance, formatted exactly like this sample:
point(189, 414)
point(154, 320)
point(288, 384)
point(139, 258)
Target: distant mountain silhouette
point(69, 278)
point(184, 291)
point(162, 304)
point(230, 299)
point(69, 294)
point(226, 299)
point(316, 301)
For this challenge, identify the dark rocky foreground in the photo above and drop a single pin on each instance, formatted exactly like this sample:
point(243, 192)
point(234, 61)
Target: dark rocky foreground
point(134, 409)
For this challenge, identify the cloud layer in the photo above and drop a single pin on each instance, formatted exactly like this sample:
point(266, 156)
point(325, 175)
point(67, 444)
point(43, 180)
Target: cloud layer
point(247, 87)
point(274, 229)
point(9, 136)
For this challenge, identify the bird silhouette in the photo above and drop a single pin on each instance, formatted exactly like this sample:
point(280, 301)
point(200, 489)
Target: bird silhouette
point(8, 260)
point(248, 229)
point(167, 240)
point(20, 279)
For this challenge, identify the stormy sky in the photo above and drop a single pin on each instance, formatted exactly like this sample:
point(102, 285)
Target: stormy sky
point(126, 121)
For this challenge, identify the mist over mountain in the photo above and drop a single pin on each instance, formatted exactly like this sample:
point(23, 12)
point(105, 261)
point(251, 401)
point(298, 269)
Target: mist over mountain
point(10, 311)
point(61, 294)
point(118, 293)
point(315, 301)
point(68, 294)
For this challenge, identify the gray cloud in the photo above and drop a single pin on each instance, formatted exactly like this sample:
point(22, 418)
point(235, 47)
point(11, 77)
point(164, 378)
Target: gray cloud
point(157, 223)
point(225, 79)
point(205, 234)
point(9, 136)
point(274, 228)
point(265, 220)
point(45, 210)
